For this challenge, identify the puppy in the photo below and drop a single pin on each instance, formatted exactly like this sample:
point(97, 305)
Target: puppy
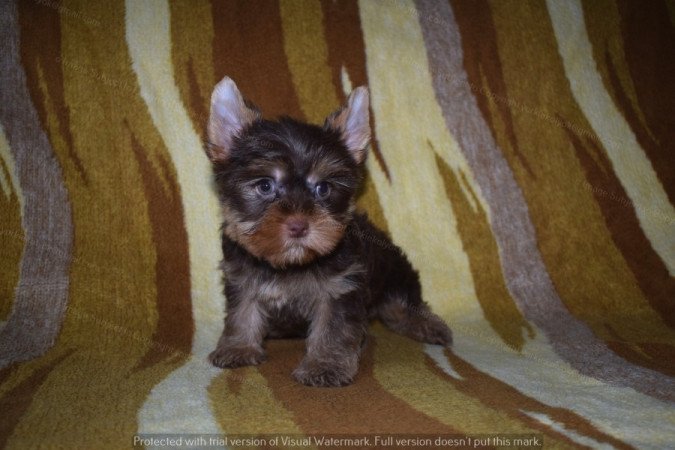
point(298, 260)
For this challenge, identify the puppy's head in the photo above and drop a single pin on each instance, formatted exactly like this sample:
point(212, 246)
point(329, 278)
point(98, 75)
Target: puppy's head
point(286, 188)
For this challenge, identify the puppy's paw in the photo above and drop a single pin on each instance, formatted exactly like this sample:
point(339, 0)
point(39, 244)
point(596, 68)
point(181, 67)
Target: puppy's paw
point(226, 356)
point(313, 373)
point(431, 330)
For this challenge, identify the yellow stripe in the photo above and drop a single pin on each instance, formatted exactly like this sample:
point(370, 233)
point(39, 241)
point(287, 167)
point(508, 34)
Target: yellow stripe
point(560, 428)
point(149, 42)
point(400, 367)
point(192, 35)
point(10, 183)
point(6, 179)
point(369, 199)
point(244, 404)
point(307, 54)
point(632, 167)
point(415, 204)
point(422, 221)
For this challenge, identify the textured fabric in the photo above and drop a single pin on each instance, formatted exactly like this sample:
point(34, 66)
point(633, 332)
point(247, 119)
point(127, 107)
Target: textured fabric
point(523, 156)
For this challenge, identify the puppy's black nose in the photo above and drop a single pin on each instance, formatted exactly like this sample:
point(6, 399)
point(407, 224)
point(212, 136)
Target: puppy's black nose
point(297, 227)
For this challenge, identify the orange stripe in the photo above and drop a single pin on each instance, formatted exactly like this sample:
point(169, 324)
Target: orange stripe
point(353, 409)
point(479, 244)
point(172, 267)
point(346, 49)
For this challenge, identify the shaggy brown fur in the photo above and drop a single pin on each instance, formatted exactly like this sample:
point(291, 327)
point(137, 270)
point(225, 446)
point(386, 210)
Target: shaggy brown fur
point(298, 261)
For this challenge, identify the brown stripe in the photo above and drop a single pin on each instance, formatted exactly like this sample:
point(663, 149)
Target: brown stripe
point(11, 243)
point(346, 49)
point(16, 401)
point(649, 43)
point(652, 355)
point(359, 408)
point(526, 274)
point(474, 20)
point(172, 268)
point(496, 394)
point(478, 243)
point(248, 47)
point(40, 50)
point(604, 32)
point(401, 366)
point(191, 40)
point(650, 272)
point(32, 328)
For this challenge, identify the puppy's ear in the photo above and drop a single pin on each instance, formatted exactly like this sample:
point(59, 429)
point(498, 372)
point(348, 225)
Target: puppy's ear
point(230, 115)
point(352, 121)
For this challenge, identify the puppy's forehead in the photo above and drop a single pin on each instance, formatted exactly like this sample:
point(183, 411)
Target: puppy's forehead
point(290, 149)
point(330, 163)
point(312, 164)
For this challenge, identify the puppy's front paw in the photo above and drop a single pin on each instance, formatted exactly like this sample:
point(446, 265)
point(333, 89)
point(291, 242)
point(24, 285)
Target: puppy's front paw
point(226, 356)
point(313, 373)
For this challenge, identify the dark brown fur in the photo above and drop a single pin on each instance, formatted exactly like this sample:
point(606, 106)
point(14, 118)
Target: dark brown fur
point(325, 281)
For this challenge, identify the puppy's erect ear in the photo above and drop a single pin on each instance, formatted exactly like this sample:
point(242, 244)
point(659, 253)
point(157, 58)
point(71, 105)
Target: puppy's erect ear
point(352, 121)
point(230, 114)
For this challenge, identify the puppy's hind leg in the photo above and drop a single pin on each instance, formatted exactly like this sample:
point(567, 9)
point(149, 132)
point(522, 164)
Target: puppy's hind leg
point(395, 288)
point(408, 315)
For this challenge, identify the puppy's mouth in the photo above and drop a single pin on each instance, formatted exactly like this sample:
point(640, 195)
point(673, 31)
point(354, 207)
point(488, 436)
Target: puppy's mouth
point(290, 240)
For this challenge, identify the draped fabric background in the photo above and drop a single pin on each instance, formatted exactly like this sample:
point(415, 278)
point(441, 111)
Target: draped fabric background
point(523, 156)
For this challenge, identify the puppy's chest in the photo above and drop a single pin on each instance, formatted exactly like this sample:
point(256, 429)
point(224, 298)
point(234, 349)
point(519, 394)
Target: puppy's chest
point(299, 290)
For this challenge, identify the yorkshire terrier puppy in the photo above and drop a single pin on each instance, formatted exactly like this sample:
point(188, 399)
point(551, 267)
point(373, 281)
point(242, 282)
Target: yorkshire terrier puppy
point(298, 260)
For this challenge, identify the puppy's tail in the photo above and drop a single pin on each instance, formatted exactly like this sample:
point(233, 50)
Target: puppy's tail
point(415, 321)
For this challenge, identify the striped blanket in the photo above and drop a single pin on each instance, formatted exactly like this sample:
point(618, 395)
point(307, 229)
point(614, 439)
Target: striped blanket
point(523, 157)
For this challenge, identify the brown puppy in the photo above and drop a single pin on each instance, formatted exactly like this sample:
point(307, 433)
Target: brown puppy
point(298, 260)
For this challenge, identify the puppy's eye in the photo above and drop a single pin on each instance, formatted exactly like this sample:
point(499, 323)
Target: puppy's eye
point(265, 187)
point(322, 190)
